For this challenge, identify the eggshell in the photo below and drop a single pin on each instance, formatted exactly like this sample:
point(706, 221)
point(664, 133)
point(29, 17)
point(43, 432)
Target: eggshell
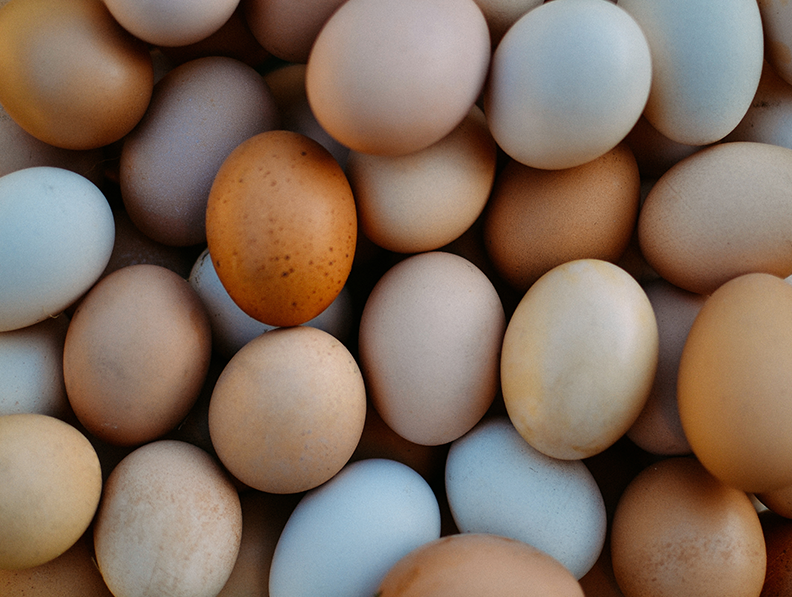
point(567, 83)
point(50, 491)
point(424, 200)
point(199, 112)
point(538, 219)
point(654, 152)
point(579, 358)
point(69, 74)
point(496, 483)
point(429, 345)
point(475, 564)
point(777, 27)
point(31, 369)
point(136, 354)
point(658, 429)
point(288, 410)
point(779, 501)
point(343, 537)
point(706, 64)
point(393, 76)
point(719, 213)
point(56, 236)
point(679, 531)
point(734, 383)
point(170, 523)
point(281, 227)
point(778, 535)
point(502, 14)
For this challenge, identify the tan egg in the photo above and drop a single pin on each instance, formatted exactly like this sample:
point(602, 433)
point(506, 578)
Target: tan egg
point(658, 429)
point(778, 500)
point(579, 357)
point(170, 523)
point(69, 74)
point(52, 481)
point(136, 354)
point(429, 345)
point(720, 213)
point(281, 227)
point(734, 383)
point(426, 199)
point(538, 219)
point(72, 574)
point(288, 410)
point(475, 564)
point(678, 531)
point(393, 76)
point(654, 152)
point(199, 112)
point(288, 29)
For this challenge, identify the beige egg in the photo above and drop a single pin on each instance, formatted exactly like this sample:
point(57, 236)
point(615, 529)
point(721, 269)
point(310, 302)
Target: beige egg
point(579, 357)
point(51, 485)
point(136, 354)
point(288, 410)
point(722, 212)
point(170, 523)
point(426, 199)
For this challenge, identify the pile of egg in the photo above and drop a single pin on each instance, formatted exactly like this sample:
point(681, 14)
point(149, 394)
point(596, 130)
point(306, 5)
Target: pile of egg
point(395, 298)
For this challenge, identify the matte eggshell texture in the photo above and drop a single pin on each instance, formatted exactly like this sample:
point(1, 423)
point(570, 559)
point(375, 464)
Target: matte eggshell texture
point(56, 236)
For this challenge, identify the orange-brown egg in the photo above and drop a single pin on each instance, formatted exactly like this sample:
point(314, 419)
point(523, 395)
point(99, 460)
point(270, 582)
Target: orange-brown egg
point(281, 227)
point(69, 74)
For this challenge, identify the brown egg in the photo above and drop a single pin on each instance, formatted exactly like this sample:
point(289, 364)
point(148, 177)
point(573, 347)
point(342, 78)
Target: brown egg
point(170, 523)
point(288, 410)
point(734, 383)
point(281, 227)
point(779, 501)
point(538, 219)
point(474, 564)
point(136, 354)
point(778, 540)
point(199, 112)
point(679, 531)
point(69, 74)
point(50, 490)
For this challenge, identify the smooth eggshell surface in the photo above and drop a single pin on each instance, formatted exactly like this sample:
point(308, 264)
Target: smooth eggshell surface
point(136, 354)
point(735, 383)
point(343, 537)
point(429, 344)
point(706, 65)
point(579, 357)
point(567, 83)
point(281, 227)
point(56, 233)
point(679, 531)
point(69, 74)
point(497, 483)
point(288, 410)
point(52, 481)
point(394, 76)
point(474, 564)
point(170, 523)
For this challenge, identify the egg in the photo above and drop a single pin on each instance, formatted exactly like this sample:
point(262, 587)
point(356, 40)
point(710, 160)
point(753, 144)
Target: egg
point(170, 522)
point(70, 75)
point(734, 380)
point(502, 14)
point(288, 410)
point(281, 227)
point(654, 152)
point(579, 357)
point(342, 537)
point(679, 531)
point(567, 83)
point(717, 214)
point(706, 65)
point(199, 112)
point(496, 483)
point(136, 354)
point(777, 28)
point(56, 236)
point(429, 345)
point(473, 564)
point(392, 76)
point(51, 486)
